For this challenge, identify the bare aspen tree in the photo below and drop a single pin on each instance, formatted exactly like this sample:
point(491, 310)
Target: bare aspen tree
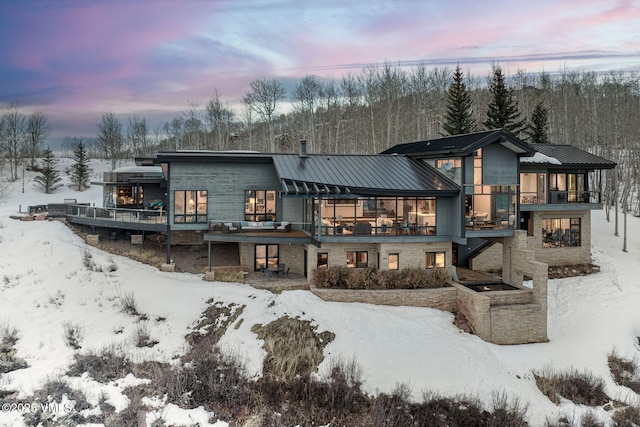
point(13, 138)
point(110, 138)
point(191, 118)
point(38, 129)
point(305, 98)
point(137, 131)
point(263, 99)
point(218, 119)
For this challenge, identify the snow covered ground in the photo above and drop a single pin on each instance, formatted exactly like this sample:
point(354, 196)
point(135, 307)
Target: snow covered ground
point(44, 285)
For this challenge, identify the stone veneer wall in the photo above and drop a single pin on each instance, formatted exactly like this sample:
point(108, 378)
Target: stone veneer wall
point(488, 260)
point(441, 298)
point(567, 255)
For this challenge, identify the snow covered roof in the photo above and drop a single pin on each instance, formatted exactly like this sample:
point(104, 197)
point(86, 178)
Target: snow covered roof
point(568, 156)
point(152, 170)
point(540, 158)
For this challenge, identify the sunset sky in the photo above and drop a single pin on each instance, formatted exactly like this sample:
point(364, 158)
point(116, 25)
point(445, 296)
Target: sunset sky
point(77, 59)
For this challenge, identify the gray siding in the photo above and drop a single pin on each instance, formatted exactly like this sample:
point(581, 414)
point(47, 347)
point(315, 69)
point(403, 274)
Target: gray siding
point(499, 165)
point(225, 183)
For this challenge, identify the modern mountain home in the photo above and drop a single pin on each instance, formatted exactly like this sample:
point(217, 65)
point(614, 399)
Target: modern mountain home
point(424, 204)
point(438, 203)
point(486, 201)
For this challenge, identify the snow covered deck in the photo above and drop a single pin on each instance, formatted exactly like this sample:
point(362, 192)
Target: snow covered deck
point(127, 219)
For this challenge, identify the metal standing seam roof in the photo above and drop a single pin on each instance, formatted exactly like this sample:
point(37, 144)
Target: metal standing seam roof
point(460, 144)
point(363, 174)
point(569, 155)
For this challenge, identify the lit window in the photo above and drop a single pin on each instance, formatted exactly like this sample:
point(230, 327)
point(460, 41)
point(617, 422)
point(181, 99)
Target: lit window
point(357, 259)
point(434, 260)
point(394, 261)
point(190, 206)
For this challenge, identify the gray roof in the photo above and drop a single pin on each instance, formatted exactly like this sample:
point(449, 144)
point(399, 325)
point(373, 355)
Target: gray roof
point(360, 174)
point(461, 145)
point(570, 156)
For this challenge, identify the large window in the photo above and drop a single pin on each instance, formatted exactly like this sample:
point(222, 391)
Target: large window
point(190, 206)
point(357, 259)
point(568, 187)
point(434, 260)
point(377, 216)
point(260, 205)
point(561, 232)
point(533, 188)
point(267, 256)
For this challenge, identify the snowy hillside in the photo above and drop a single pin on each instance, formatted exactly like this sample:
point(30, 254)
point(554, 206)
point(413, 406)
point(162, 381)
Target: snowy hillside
point(45, 286)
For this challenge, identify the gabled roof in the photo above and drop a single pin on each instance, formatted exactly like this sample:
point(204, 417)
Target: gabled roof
point(558, 155)
point(461, 145)
point(360, 174)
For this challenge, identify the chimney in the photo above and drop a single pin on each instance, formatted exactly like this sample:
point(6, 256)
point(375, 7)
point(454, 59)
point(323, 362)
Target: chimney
point(303, 148)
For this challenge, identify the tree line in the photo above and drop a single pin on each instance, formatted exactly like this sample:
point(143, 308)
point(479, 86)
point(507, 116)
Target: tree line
point(369, 111)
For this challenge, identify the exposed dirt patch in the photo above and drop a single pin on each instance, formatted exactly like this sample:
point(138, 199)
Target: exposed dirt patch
point(573, 270)
point(187, 258)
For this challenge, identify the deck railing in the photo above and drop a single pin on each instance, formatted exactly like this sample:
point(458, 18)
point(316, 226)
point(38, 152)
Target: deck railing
point(149, 216)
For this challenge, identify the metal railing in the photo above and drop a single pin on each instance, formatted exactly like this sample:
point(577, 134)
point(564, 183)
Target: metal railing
point(149, 216)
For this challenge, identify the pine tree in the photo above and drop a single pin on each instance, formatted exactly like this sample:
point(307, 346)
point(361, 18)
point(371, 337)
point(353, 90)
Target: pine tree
point(538, 129)
point(503, 109)
point(49, 178)
point(459, 119)
point(80, 170)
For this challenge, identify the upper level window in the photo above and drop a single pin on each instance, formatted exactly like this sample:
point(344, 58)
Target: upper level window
point(477, 167)
point(190, 206)
point(568, 187)
point(260, 205)
point(533, 188)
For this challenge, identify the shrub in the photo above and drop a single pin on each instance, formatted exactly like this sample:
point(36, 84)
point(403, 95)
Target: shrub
point(364, 278)
point(293, 346)
point(8, 334)
point(73, 335)
point(8, 359)
point(626, 417)
point(624, 372)
point(582, 388)
point(106, 365)
point(332, 277)
point(370, 278)
point(142, 338)
point(128, 304)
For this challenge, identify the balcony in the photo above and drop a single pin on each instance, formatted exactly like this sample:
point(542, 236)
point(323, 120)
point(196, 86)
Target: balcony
point(561, 199)
point(127, 219)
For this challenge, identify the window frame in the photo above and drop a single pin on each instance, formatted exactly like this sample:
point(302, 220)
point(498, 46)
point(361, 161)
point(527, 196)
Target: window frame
point(356, 257)
point(434, 261)
point(185, 215)
point(324, 255)
point(253, 199)
point(397, 261)
point(556, 238)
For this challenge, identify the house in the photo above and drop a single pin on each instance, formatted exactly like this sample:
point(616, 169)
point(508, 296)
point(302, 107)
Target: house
point(424, 204)
point(546, 189)
point(487, 200)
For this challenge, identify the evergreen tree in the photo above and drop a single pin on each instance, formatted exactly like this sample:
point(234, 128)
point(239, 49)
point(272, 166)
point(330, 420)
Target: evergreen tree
point(49, 178)
point(459, 119)
point(538, 129)
point(80, 170)
point(503, 109)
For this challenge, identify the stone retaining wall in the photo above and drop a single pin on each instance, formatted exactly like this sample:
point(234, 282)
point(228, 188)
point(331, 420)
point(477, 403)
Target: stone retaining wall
point(440, 298)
